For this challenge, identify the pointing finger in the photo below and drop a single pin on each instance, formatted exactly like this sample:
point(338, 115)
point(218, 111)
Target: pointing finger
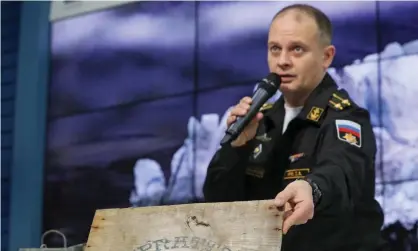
point(288, 210)
point(291, 220)
point(299, 216)
point(283, 197)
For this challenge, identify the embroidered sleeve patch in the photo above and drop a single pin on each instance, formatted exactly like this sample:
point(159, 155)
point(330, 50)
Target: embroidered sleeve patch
point(349, 131)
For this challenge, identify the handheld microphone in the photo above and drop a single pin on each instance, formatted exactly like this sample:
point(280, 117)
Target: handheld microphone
point(266, 89)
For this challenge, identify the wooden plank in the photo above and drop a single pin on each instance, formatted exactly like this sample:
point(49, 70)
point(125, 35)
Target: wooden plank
point(227, 226)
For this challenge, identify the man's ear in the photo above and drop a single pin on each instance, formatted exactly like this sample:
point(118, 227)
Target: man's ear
point(329, 53)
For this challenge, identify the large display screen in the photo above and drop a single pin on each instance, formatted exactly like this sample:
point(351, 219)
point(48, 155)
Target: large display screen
point(139, 95)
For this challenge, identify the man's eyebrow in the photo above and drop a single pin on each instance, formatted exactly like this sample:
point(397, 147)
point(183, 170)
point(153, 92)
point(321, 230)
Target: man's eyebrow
point(292, 43)
point(298, 42)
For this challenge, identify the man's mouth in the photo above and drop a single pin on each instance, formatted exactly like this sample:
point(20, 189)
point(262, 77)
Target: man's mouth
point(286, 78)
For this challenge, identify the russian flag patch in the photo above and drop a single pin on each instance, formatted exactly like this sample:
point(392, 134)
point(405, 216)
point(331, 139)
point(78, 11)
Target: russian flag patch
point(349, 131)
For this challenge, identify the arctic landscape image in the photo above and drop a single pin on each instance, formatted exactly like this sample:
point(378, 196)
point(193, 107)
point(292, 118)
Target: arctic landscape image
point(139, 99)
point(397, 140)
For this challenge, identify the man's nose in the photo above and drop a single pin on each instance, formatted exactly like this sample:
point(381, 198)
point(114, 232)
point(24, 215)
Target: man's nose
point(284, 60)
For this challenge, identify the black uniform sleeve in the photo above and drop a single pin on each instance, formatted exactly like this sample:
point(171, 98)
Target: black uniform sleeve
point(225, 178)
point(344, 162)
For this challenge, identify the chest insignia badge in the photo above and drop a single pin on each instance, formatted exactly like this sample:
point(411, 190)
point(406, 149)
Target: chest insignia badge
point(266, 106)
point(293, 158)
point(263, 138)
point(257, 151)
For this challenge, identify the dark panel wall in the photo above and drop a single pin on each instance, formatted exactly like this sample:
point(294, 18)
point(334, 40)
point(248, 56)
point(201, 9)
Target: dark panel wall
point(10, 21)
point(25, 167)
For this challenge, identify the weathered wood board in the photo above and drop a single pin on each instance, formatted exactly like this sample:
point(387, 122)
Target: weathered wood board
point(234, 226)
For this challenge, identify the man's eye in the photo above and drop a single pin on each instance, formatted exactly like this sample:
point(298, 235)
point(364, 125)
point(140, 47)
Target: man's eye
point(298, 49)
point(274, 48)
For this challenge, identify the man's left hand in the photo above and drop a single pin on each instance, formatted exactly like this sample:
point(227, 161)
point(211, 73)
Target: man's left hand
point(298, 202)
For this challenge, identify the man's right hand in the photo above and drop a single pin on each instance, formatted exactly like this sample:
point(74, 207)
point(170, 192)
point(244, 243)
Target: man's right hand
point(250, 131)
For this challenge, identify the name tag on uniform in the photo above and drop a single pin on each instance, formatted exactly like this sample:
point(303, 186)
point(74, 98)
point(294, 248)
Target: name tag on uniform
point(298, 173)
point(255, 171)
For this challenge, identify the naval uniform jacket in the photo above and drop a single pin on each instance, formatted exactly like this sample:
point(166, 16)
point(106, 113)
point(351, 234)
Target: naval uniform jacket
point(331, 142)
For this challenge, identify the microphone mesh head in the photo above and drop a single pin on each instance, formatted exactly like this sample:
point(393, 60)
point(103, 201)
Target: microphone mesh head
point(274, 79)
point(271, 83)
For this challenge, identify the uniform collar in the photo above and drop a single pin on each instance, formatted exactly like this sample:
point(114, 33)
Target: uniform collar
point(315, 106)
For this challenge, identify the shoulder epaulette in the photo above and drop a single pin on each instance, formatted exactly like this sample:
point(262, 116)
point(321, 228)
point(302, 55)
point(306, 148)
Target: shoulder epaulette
point(339, 102)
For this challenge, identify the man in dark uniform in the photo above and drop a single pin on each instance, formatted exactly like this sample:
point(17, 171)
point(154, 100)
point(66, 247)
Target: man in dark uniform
point(313, 150)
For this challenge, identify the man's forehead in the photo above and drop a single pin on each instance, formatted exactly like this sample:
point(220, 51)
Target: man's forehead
point(295, 15)
point(294, 23)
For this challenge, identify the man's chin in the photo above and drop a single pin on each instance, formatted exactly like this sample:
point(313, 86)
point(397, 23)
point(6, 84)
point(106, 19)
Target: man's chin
point(287, 87)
